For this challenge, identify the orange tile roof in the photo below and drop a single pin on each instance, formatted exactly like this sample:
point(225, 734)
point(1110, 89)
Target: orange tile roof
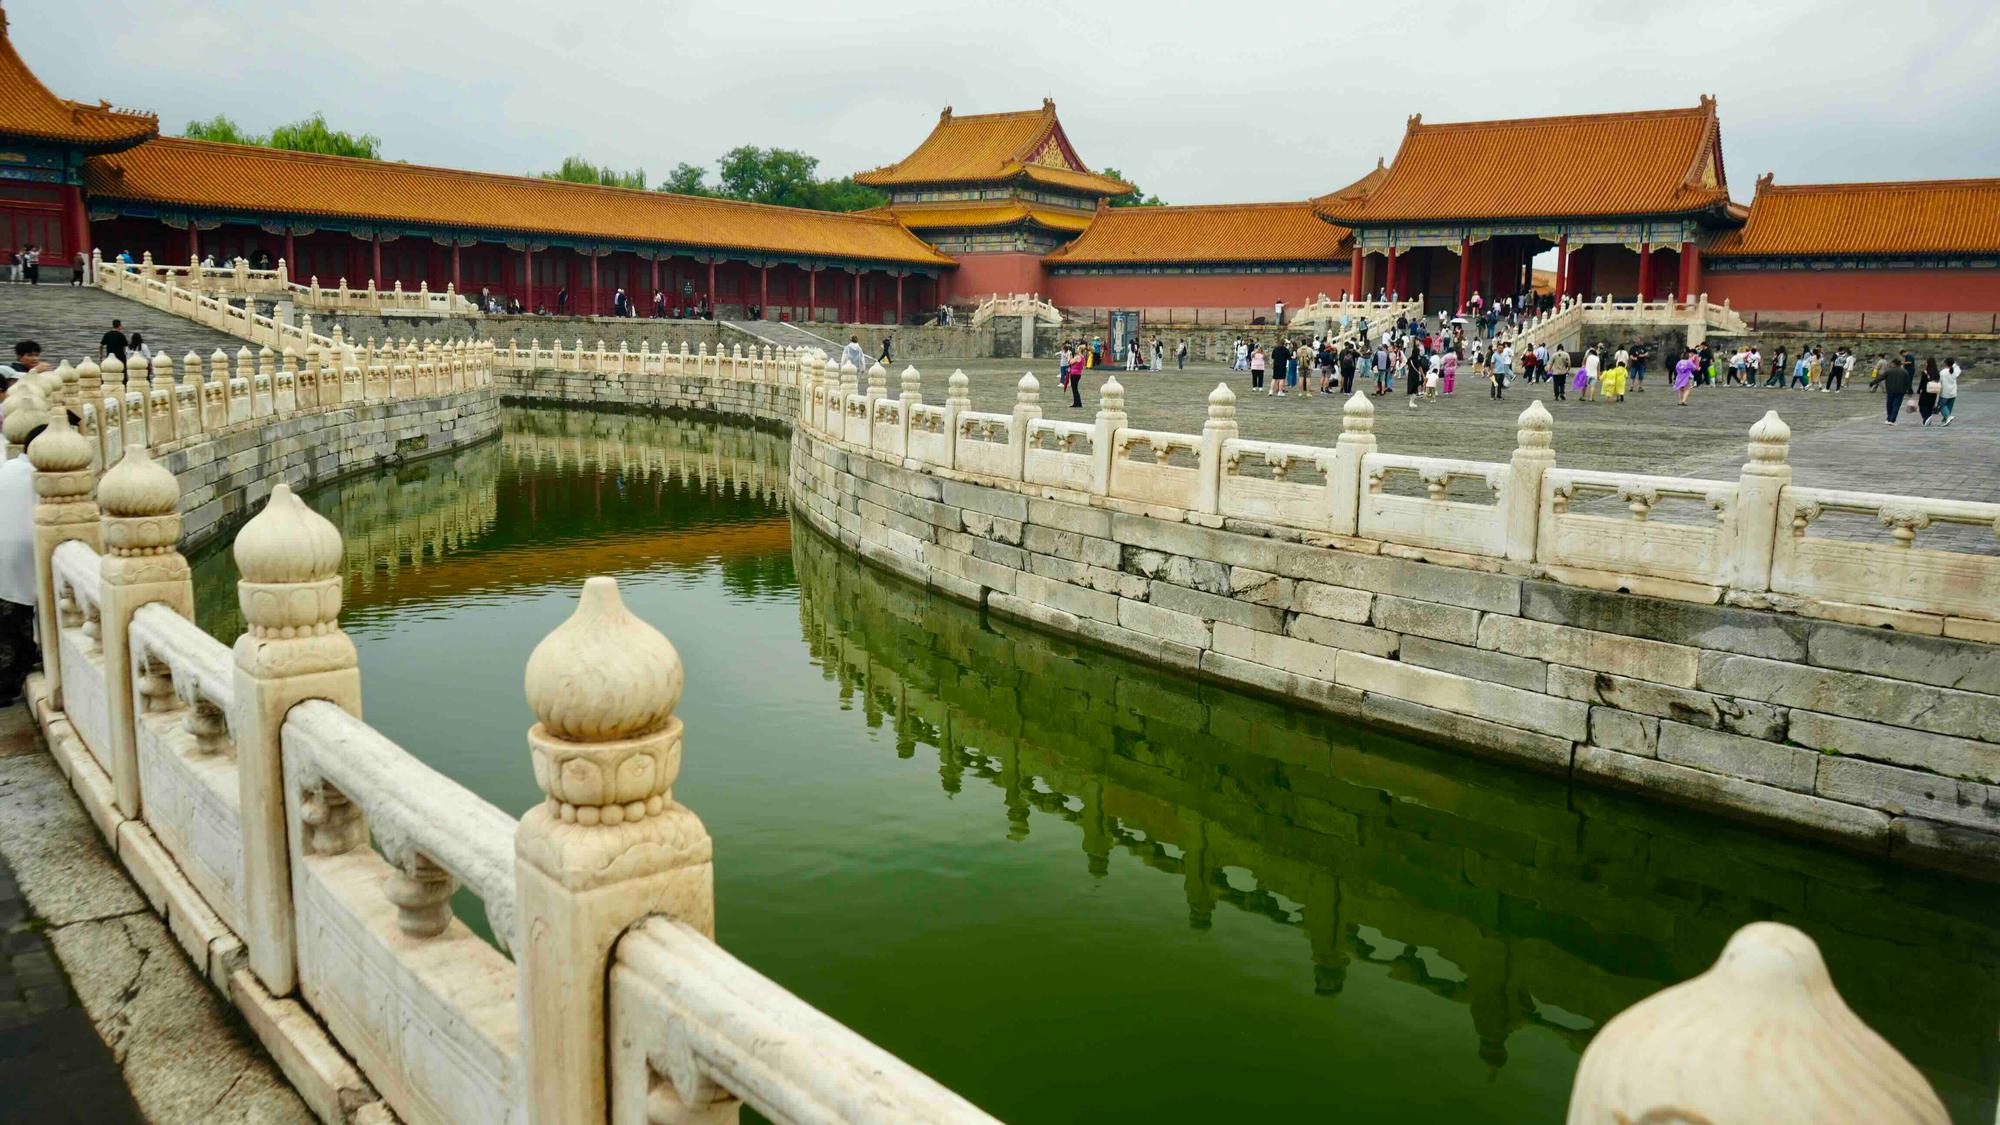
point(995, 147)
point(1228, 232)
point(1655, 162)
point(1908, 217)
point(176, 172)
point(974, 213)
point(30, 112)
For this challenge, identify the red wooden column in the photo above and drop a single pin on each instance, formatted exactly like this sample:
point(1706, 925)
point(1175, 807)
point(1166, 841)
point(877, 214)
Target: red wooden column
point(812, 294)
point(1562, 266)
point(375, 267)
point(1389, 274)
point(711, 287)
point(1354, 276)
point(457, 278)
point(1464, 270)
point(1645, 270)
point(291, 253)
point(194, 242)
point(899, 298)
point(528, 279)
point(656, 275)
point(1690, 270)
point(764, 291)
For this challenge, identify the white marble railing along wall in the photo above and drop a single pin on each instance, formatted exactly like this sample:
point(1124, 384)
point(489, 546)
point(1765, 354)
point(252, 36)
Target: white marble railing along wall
point(1759, 549)
point(307, 862)
point(1016, 304)
point(237, 280)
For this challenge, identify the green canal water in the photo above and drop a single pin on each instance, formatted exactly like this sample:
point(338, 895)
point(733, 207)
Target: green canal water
point(1070, 886)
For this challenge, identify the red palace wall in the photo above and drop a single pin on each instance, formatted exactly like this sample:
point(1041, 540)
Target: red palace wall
point(1205, 290)
point(1857, 290)
point(981, 275)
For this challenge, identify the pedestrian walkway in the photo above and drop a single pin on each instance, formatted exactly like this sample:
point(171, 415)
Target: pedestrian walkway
point(69, 320)
point(102, 1018)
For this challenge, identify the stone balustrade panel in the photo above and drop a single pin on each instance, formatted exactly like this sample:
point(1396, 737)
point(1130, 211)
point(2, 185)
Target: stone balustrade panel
point(187, 763)
point(1278, 483)
point(1638, 544)
point(1433, 521)
point(1156, 468)
point(1059, 454)
point(85, 692)
point(983, 445)
point(687, 1016)
point(1901, 575)
point(425, 1006)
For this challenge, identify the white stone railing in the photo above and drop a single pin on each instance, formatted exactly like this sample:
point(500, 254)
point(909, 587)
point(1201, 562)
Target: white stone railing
point(237, 280)
point(145, 405)
point(1573, 314)
point(766, 364)
point(308, 863)
point(1539, 520)
point(1016, 304)
point(1325, 312)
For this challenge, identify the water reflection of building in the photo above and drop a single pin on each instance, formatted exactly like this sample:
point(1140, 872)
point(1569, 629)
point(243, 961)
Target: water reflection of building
point(1527, 901)
point(560, 496)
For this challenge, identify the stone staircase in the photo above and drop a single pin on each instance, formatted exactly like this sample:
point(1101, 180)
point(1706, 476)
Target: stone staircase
point(68, 321)
point(781, 334)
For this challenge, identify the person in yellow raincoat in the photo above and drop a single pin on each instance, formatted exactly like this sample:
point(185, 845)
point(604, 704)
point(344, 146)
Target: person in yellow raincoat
point(1612, 388)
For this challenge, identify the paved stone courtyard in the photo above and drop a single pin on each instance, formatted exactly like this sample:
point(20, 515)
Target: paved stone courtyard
point(159, 1028)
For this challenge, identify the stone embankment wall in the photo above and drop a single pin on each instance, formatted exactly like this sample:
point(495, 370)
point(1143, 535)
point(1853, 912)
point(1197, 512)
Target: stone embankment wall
point(767, 403)
point(223, 479)
point(1880, 740)
point(910, 341)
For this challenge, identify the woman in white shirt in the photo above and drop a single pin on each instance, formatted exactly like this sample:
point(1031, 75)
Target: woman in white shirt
point(1948, 388)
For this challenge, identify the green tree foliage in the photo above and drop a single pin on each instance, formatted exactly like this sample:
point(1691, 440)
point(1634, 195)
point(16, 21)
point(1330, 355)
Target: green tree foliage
point(577, 170)
point(788, 178)
point(687, 179)
point(309, 134)
point(1138, 198)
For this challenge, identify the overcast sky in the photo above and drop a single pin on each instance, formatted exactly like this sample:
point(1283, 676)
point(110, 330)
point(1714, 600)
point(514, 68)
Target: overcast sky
point(1208, 103)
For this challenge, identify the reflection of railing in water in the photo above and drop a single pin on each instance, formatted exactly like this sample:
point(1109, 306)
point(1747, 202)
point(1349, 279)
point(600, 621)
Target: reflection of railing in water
point(435, 529)
point(1556, 907)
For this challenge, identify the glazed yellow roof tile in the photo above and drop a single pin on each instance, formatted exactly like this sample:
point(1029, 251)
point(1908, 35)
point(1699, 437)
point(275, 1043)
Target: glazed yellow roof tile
point(1894, 217)
point(973, 213)
point(180, 173)
point(994, 147)
point(1654, 162)
point(1230, 232)
point(29, 111)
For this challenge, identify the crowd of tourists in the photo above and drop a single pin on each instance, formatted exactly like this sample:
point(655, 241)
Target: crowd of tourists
point(1425, 363)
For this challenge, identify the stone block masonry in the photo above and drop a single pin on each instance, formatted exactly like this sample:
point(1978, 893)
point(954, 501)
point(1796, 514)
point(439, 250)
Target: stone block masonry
point(225, 478)
point(1881, 741)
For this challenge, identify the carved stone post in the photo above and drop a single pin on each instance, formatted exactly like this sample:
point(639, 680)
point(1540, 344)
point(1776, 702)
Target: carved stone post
point(878, 385)
point(1219, 428)
point(1357, 440)
point(1765, 475)
point(1532, 454)
point(1027, 408)
point(606, 848)
point(1110, 419)
point(957, 400)
point(1763, 1035)
point(829, 391)
point(141, 504)
point(292, 650)
point(913, 393)
point(65, 509)
point(163, 403)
